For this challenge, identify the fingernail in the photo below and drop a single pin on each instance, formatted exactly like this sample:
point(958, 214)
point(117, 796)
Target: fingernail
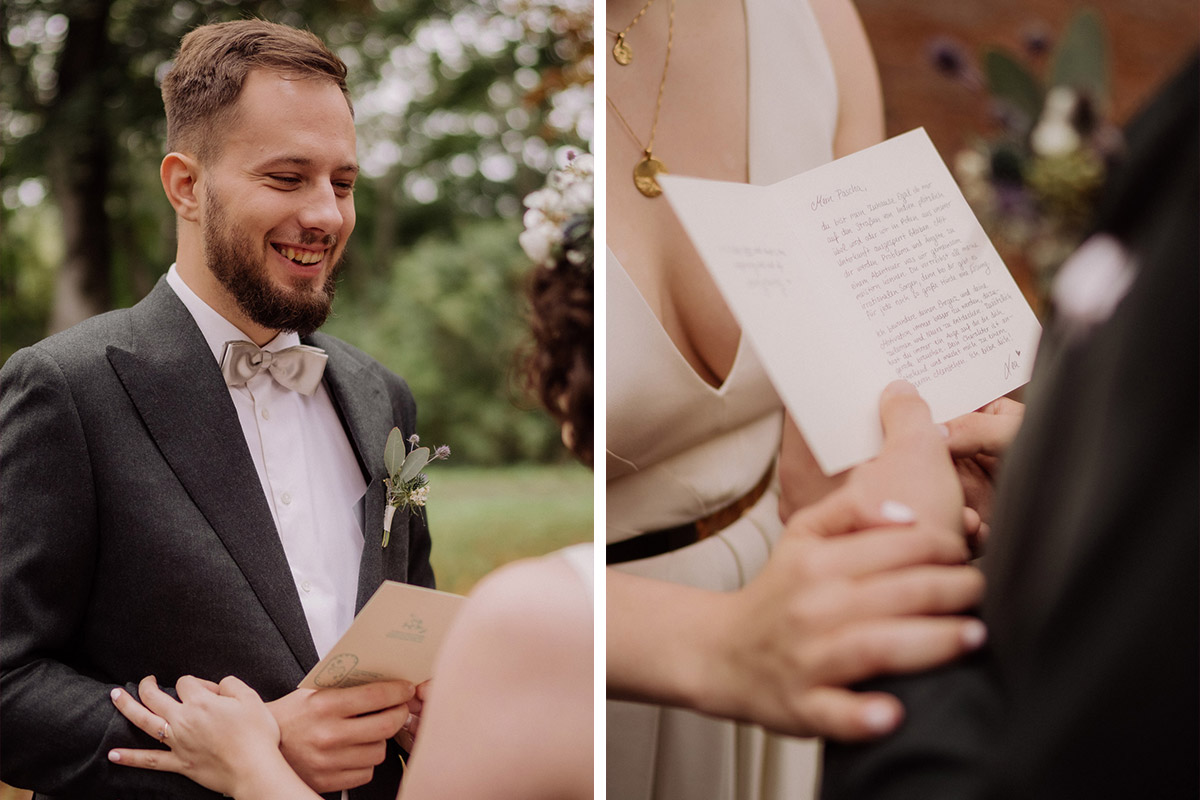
point(900, 387)
point(880, 717)
point(944, 431)
point(113, 755)
point(895, 511)
point(974, 634)
point(114, 694)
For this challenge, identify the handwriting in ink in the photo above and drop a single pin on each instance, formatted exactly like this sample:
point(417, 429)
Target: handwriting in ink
point(1011, 364)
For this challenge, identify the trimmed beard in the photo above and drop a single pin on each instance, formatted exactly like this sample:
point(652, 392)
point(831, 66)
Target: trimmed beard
point(230, 255)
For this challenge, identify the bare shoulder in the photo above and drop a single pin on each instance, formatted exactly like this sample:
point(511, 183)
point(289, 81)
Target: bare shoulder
point(527, 618)
point(860, 115)
point(513, 686)
point(840, 23)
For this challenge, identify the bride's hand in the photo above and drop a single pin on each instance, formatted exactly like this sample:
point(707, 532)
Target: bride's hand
point(219, 735)
point(869, 580)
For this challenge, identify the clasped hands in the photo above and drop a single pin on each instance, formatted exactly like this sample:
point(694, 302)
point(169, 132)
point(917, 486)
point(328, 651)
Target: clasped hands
point(218, 733)
point(872, 579)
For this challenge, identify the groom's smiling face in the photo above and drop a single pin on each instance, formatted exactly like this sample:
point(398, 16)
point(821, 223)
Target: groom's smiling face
point(278, 201)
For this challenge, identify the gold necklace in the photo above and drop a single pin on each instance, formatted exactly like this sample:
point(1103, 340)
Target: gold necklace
point(622, 52)
point(646, 171)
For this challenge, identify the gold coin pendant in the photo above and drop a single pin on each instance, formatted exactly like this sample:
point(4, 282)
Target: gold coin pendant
point(622, 52)
point(645, 176)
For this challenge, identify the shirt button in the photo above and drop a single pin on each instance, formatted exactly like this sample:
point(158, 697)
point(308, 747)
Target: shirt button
point(286, 497)
point(266, 413)
point(306, 586)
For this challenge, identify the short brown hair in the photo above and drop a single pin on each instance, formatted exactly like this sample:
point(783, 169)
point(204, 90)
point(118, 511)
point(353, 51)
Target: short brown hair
point(211, 67)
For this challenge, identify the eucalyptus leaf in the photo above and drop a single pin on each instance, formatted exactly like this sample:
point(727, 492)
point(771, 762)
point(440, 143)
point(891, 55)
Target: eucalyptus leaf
point(393, 452)
point(414, 463)
point(1081, 58)
point(1012, 84)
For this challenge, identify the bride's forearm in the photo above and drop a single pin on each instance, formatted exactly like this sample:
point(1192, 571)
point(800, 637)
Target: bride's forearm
point(270, 777)
point(663, 640)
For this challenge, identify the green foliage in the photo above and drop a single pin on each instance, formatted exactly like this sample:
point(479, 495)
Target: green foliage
point(394, 452)
point(1012, 84)
point(454, 102)
point(1080, 62)
point(30, 249)
point(1081, 58)
point(450, 319)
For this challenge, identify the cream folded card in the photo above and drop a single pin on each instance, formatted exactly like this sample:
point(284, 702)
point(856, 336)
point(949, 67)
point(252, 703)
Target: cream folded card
point(867, 269)
point(396, 635)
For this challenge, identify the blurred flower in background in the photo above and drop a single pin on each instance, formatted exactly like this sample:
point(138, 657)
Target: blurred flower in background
point(559, 217)
point(1034, 176)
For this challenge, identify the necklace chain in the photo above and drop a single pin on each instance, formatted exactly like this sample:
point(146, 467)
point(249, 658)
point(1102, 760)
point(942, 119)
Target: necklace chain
point(623, 121)
point(646, 170)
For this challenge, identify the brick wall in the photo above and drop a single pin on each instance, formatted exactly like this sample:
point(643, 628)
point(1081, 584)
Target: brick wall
point(1147, 40)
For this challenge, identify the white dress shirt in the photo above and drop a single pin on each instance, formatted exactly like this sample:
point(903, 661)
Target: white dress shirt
point(309, 474)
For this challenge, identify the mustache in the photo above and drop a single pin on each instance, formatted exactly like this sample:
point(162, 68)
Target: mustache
point(329, 240)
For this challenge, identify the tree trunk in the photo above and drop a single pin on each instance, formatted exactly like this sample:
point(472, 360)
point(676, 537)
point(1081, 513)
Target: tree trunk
point(78, 166)
point(384, 246)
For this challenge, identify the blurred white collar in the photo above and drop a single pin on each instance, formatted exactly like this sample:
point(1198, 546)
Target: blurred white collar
point(1092, 282)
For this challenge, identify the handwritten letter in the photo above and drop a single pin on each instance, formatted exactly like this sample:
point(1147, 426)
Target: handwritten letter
point(863, 270)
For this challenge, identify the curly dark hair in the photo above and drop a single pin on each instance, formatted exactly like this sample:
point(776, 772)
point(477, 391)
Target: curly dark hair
point(558, 369)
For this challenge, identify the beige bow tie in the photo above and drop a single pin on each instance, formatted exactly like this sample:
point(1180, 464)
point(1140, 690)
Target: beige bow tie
point(298, 368)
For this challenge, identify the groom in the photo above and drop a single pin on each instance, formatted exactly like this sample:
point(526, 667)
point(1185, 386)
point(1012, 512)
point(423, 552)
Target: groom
point(175, 505)
point(1090, 684)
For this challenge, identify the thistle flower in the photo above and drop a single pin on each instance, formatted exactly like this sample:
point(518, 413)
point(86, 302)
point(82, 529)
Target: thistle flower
point(949, 57)
point(1036, 40)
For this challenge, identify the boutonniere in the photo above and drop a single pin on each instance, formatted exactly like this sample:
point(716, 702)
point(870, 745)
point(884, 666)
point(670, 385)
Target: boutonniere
point(407, 486)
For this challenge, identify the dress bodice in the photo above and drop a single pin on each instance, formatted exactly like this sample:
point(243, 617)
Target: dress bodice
point(677, 447)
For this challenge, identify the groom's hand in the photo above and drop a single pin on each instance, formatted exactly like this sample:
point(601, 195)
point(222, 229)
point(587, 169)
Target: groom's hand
point(870, 580)
point(407, 737)
point(333, 738)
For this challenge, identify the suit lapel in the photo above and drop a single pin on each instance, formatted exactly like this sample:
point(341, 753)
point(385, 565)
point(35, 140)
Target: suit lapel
point(362, 401)
point(176, 386)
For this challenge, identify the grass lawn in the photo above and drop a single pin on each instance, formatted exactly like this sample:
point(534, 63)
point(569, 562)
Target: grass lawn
point(481, 518)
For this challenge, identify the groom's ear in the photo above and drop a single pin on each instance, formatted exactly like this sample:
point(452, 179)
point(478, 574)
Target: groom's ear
point(180, 174)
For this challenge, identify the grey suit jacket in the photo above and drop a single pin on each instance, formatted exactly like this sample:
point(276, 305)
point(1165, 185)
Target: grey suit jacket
point(136, 540)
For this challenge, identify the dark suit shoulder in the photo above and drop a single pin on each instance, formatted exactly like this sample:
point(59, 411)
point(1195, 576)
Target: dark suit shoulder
point(83, 347)
point(90, 336)
point(76, 353)
point(340, 349)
